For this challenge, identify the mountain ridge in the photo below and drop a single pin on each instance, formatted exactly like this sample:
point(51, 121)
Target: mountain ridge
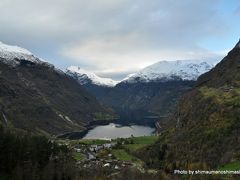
point(37, 97)
point(203, 132)
point(161, 71)
point(158, 95)
point(86, 77)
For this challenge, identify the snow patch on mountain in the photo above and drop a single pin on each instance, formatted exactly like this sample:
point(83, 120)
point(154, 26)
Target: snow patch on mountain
point(85, 77)
point(172, 70)
point(13, 55)
point(13, 49)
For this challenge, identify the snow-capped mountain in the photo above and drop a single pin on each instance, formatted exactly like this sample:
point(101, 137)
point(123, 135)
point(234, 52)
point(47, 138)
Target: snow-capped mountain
point(85, 77)
point(13, 55)
point(159, 72)
point(34, 94)
point(171, 70)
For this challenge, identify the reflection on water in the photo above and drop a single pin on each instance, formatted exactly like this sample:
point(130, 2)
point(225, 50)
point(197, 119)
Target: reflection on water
point(112, 131)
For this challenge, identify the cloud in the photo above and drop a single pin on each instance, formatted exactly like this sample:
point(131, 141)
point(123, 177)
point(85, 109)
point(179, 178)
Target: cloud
point(114, 36)
point(119, 54)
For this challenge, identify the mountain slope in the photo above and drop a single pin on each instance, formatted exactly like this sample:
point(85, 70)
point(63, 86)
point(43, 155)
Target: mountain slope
point(35, 96)
point(137, 100)
point(155, 90)
point(171, 70)
point(86, 77)
point(204, 131)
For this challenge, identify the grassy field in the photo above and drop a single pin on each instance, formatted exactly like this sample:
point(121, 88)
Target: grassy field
point(122, 155)
point(231, 166)
point(132, 144)
point(78, 156)
point(124, 152)
point(140, 142)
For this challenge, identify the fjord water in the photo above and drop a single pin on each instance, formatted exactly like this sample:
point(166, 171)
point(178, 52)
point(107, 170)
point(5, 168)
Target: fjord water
point(112, 131)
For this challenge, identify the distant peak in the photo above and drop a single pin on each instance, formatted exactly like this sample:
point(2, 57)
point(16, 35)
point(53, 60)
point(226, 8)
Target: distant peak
point(172, 70)
point(83, 76)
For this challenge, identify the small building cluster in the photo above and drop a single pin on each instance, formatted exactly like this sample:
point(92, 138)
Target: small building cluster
point(94, 160)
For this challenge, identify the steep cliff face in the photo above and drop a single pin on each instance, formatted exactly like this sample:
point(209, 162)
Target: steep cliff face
point(204, 131)
point(36, 97)
point(136, 100)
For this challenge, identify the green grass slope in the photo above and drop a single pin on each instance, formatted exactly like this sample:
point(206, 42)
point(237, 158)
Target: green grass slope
point(204, 130)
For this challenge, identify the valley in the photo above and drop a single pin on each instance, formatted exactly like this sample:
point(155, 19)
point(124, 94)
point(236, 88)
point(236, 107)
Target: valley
point(165, 117)
point(153, 91)
point(119, 90)
point(202, 130)
point(114, 156)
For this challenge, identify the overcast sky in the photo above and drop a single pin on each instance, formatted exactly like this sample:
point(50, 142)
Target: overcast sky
point(116, 37)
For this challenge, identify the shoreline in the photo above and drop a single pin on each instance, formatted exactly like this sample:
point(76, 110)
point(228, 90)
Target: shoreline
point(80, 134)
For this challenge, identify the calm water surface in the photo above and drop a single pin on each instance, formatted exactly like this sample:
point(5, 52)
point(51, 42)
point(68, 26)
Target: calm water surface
point(112, 131)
